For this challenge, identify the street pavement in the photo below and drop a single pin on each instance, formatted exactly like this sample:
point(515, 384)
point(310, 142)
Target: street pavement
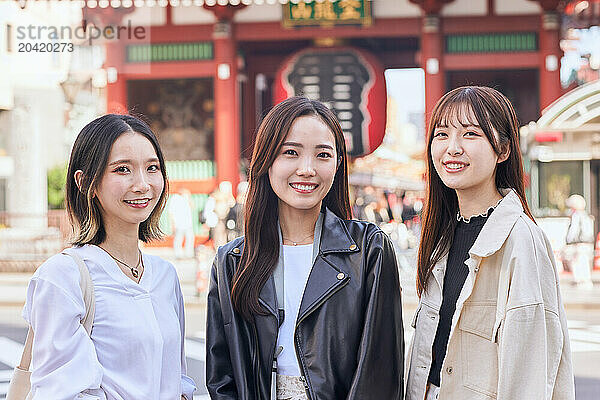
point(583, 313)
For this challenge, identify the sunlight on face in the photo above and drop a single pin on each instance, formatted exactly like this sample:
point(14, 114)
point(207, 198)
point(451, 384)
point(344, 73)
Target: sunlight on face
point(132, 182)
point(462, 155)
point(304, 170)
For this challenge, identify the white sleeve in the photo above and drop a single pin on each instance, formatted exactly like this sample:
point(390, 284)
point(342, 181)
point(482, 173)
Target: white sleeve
point(188, 385)
point(64, 363)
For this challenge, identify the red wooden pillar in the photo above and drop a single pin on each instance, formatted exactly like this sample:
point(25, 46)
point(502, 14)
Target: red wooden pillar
point(432, 62)
point(227, 135)
point(116, 88)
point(227, 116)
point(549, 52)
point(432, 51)
point(550, 55)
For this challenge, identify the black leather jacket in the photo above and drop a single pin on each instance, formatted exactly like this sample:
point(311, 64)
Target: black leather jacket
point(349, 335)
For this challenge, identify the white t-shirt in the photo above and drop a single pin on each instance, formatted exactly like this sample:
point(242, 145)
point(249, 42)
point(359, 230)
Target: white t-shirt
point(297, 264)
point(136, 347)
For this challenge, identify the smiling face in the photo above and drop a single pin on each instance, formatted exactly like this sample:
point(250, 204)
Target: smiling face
point(305, 167)
point(132, 182)
point(463, 157)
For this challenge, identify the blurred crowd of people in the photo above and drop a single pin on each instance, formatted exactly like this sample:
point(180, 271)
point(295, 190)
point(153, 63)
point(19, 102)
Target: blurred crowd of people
point(398, 213)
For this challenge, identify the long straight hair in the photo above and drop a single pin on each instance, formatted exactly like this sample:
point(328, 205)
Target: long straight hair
point(494, 113)
point(90, 155)
point(261, 237)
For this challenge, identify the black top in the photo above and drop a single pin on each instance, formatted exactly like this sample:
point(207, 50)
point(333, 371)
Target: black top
point(454, 279)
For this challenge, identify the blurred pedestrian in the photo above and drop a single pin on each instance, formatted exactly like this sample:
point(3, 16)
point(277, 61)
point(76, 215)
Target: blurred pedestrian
point(307, 303)
point(116, 191)
point(408, 210)
point(580, 242)
point(235, 216)
point(180, 214)
point(490, 321)
point(220, 201)
point(209, 216)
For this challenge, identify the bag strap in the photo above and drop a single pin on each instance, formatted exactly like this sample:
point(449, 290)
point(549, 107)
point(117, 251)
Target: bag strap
point(89, 299)
point(87, 289)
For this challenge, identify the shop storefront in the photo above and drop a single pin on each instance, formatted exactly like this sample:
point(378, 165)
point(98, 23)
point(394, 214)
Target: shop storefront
point(563, 147)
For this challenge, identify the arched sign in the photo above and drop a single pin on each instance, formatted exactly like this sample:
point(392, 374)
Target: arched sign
point(350, 81)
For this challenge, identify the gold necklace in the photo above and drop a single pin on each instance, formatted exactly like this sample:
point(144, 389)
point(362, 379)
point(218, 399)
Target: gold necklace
point(134, 270)
point(296, 243)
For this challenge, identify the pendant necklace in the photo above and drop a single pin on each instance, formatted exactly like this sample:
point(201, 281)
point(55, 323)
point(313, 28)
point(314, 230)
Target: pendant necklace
point(296, 243)
point(134, 270)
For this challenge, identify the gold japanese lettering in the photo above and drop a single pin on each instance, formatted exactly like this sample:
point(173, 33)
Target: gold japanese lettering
point(324, 11)
point(301, 11)
point(350, 9)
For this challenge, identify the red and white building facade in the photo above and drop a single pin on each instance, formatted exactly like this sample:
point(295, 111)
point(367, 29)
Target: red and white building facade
point(512, 45)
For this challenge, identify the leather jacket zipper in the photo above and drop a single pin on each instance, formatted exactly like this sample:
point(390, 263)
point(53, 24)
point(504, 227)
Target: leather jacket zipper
point(302, 373)
point(298, 356)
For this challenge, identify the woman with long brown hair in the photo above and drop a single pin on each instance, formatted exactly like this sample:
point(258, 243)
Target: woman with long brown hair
point(307, 304)
point(490, 323)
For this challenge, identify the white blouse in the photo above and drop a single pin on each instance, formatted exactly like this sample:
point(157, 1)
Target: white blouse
point(136, 347)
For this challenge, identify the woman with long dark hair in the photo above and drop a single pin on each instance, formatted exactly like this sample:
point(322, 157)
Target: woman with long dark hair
point(131, 345)
point(307, 304)
point(490, 323)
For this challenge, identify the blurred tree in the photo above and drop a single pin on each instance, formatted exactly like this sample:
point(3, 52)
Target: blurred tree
point(57, 178)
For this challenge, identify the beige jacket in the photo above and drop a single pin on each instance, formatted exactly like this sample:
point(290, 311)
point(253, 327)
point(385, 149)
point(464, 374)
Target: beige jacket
point(512, 340)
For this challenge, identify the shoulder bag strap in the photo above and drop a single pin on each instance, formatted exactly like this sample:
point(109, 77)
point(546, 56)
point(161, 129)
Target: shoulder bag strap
point(26, 357)
point(87, 288)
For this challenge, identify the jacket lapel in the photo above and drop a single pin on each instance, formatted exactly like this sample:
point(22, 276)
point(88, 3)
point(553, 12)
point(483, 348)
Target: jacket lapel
point(326, 276)
point(497, 228)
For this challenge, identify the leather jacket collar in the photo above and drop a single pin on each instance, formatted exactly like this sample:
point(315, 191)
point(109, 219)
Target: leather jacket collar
point(325, 276)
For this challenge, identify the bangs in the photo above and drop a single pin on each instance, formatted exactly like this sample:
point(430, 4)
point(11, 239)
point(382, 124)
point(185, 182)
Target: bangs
point(454, 113)
point(464, 108)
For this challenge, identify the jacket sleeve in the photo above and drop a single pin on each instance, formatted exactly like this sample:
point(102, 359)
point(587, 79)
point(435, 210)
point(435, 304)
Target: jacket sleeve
point(380, 370)
point(65, 366)
point(219, 371)
point(534, 358)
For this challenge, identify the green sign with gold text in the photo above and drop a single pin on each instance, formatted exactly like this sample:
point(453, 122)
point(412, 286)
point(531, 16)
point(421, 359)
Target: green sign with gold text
point(327, 13)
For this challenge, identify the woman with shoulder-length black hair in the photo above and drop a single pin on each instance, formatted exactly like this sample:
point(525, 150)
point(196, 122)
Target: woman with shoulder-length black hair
point(490, 323)
point(307, 304)
point(131, 345)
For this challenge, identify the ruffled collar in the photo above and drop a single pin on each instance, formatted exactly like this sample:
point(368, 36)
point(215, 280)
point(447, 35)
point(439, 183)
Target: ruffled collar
point(484, 214)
